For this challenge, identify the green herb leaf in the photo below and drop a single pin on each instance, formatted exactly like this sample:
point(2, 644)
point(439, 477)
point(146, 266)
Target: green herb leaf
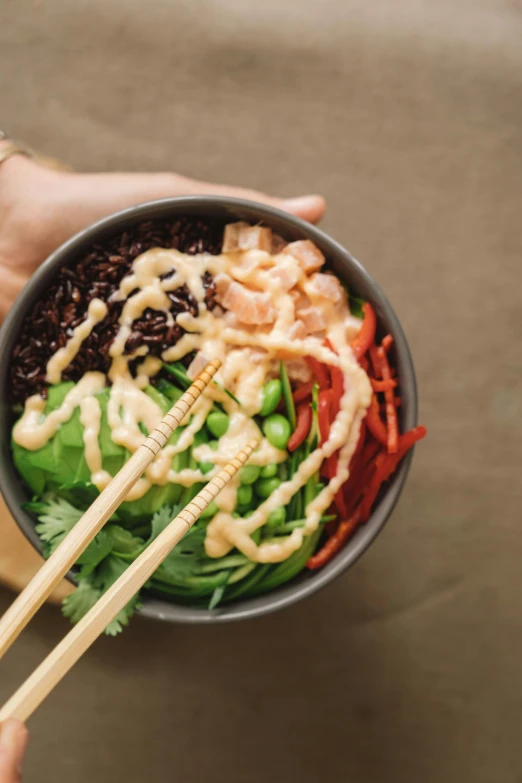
point(124, 542)
point(76, 605)
point(56, 518)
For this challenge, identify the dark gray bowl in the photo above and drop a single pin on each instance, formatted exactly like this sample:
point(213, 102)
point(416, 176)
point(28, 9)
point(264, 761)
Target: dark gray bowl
point(291, 228)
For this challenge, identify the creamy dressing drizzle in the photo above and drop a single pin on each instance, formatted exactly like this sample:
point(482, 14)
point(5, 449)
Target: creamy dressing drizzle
point(59, 361)
point(249, 356)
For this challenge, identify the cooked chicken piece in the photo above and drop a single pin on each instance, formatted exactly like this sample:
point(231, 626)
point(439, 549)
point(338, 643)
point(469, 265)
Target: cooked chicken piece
point(311, 316)
point(312, 319)
point(278, 244)
point(287, 274)
point(250, 307)
point(297, 331)
point(241, 236)
point(326, 286)
point(309, 256)
point(300, 300)
point(298, 370)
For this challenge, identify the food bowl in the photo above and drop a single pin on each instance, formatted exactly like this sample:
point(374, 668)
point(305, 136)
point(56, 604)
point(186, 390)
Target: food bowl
point(340, 261)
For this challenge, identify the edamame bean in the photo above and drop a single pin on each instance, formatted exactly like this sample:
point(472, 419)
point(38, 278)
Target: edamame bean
point(277, 430)
point(206, 467)
point(269, 471)
point(217, 423)
point(244, 495)
point(277, 517)
point(271, 396)
point(265, 487)
point(249, 474)
point(213, 444)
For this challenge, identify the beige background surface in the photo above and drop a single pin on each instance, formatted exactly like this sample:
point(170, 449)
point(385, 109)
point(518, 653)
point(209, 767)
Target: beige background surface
point(407, 116)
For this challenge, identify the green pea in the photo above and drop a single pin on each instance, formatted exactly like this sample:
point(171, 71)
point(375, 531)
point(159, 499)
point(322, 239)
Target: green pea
point(265, 487)
point(210, 511)
point(249, 474)
point(277, 430)
point(217, 423)
point(277, 517)
point(271, 397)
point(206, 467)
point(213, 444)
point(244, 495)
point(269, 471)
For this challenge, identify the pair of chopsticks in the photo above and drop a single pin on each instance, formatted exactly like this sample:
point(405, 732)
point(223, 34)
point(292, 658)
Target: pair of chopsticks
point(41, 682)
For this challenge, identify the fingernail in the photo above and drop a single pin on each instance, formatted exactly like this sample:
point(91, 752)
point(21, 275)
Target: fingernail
point(310, 208)
point(305, 202)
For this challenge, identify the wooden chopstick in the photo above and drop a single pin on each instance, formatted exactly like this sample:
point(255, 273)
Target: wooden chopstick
point(63, 558)
point(41, 682)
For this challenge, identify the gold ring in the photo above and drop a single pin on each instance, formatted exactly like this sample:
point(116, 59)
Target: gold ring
point(14, 149)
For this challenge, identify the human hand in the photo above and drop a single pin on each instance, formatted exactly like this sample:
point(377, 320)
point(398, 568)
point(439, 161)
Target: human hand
point(13, 741)
point(41, 207)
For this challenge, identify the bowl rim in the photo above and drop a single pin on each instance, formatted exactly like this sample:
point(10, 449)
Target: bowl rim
point(298, 588)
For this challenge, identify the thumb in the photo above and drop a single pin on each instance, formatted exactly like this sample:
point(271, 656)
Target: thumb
point(13, 741)
point(98, 195)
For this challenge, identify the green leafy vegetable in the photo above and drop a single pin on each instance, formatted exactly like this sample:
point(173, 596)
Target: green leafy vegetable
point(356, 305)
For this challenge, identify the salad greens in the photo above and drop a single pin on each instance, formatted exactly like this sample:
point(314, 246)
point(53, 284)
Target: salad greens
point(59, 478)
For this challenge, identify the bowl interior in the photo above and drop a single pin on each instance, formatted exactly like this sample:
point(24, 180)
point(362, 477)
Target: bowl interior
point(291, 228)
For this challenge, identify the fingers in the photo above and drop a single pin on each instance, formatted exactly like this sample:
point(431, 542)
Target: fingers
point(310, 207)
point(97, 195)
point(13, 741)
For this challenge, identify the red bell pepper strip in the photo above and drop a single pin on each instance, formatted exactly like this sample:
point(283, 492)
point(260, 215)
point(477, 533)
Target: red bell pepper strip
point(365, 466)
point(366, 335)
point(335, 543)
point(409, 439)
point(302, 428)
point(387, 342)
point(382, 386)
point(337, 389)
point(360, 445)
point(340, 503)
point(397, 401)
point(337, 377)
point(375, 361)
point(324, 413)
point(386, 464)
point(391, 410)
point(319, 371)
point(356, 466)
point(303, 391)
point(374, 422)
point(332, 464)
point(372, 488)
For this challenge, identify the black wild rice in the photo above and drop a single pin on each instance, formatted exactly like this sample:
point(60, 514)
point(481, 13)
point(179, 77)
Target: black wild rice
point(98, 274)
